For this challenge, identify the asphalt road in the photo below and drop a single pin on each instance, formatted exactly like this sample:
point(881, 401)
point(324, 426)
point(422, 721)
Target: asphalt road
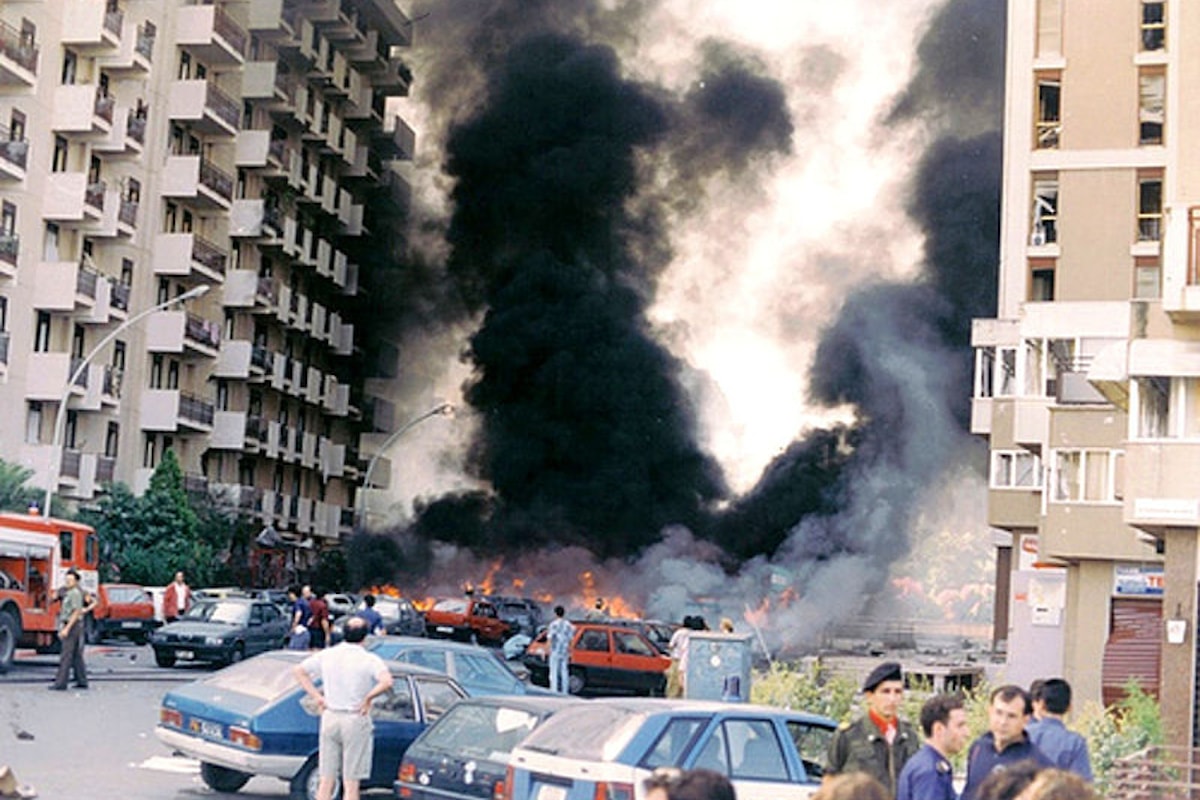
point(99, 744)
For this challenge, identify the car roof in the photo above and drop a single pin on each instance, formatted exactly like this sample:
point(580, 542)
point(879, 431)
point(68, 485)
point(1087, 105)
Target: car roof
point(659, 706)
point(525, 702)
point(396, 667)
point(233, 599)
point(429, 644)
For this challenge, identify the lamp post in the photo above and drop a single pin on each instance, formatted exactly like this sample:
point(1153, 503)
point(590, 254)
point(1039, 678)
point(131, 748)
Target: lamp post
point(60, 417)
point(443, 409)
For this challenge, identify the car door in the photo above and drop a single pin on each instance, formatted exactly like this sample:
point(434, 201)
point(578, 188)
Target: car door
point(751, 753)
point(255, 627)
point(636, 663)
point(481, 674)
point(593, 654)
point(397, 720)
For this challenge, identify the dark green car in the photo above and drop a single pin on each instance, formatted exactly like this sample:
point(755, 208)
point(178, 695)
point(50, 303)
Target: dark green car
point(221, 631)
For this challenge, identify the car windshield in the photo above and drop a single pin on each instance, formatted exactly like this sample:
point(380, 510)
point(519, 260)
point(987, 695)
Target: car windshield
point(600, 733)
point(480, 731)
point(388, 609)
point(127, 594)
point(264, 677)
point(219, 611)
point(451, 606)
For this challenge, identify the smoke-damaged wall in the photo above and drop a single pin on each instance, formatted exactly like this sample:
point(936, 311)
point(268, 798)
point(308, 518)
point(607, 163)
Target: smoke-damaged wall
point(565, 173)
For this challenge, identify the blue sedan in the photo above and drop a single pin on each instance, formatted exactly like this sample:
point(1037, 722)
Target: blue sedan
point(477, 669)
point(253, 718)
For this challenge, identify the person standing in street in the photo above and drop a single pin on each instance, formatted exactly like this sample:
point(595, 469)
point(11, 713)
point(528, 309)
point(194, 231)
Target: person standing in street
point(177, 598)
point(1067, 749)
point(318, 620)
point(351, 678)
point(928, 775)
point(75, 605)
point(1005, 743)
point(301, 611)
point(559, 634)
point(878, 743)
point(373, 618)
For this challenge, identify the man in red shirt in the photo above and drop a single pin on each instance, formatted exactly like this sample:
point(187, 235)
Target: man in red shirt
point(318, 622)
point(177, 598)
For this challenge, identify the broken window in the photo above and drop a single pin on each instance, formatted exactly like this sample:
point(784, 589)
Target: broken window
point(1154, 25)
point(1044, 228)
point(1150, 208)
point(1152, 86)
point(1049, 119)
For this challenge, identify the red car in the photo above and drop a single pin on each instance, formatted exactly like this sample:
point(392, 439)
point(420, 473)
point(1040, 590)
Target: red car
point(123, 610)
point(605, 658)
point(466, 619)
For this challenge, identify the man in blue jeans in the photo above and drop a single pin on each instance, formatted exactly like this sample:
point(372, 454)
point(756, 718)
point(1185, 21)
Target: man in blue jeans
point(559, 635)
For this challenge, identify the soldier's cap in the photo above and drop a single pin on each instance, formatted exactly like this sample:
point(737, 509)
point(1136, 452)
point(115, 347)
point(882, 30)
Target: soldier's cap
point(887, 671)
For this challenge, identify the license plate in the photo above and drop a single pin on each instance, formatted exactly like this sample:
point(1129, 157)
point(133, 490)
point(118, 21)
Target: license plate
point(211, 730)
point(131, 624)
point(184, 655)
point(448, 629)
point(550, 791)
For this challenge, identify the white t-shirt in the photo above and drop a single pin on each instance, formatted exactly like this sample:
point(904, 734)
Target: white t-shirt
point(348, 673)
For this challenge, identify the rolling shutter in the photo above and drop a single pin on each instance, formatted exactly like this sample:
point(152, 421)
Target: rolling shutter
point(1134, 647)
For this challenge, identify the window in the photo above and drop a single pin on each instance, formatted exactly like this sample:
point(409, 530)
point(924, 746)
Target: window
point(149, 456)
point(1154, 403)
point(1191, 408)
point(16, 126)
point(112, 438)
point(8, 218)
point(41, 333)
point(70, 66)
point(1147, 278)
point(754, 750)
point(1152, 86)
point(1154, 25)
point(436, 696)
point(595, 641)
point(673, 742)
point(1016, 469)
point(1006, 372)
point(630, 643)
point(66, 545)
point(33, 423)
point(59, 161)
point(1044, 227)
point(1041, 280)
point(71, 429)
point(1150, 208)
point(1049, 119)
point(1086, 476)
point(156, 371)
point(77, 341)
point(812, 743)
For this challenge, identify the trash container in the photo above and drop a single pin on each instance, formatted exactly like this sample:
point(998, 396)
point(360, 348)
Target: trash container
point(718, 667)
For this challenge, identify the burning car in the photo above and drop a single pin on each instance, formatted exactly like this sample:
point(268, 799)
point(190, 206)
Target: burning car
point(605, 658)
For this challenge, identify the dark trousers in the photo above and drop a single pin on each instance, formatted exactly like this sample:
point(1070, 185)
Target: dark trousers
point(72, 657)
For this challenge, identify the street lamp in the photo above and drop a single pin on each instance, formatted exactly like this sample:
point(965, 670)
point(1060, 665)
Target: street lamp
point(60, 417)
point(443, 409)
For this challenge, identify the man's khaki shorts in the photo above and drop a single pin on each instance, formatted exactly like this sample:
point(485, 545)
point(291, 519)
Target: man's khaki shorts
point(347, 745)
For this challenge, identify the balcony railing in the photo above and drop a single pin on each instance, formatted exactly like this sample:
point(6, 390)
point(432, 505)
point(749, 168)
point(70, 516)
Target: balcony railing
point(106, 468)
point(10, 248)
point(85, 282)
point(224, 106)
point(216, 179)
point(4, 338)
point(261, 357)
point(145, 41)
point(93, 195)
point(103, 107)
point(195, 484)
point(71, 459)
point(194, 409)
point(208, 254)
point(112, 381)
point(82, 380)
point(266, 290)
point(112, 21)
point(135, 129)
point(14, 151)
point(203, 331)
point(120, 296)
point(278, 150)
point(128, 212)
point(18, 49)
point(255, 429)
point(229, 30)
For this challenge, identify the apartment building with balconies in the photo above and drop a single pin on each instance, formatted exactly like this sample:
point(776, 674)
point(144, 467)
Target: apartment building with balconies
point(1088, 381)
point(148, 149)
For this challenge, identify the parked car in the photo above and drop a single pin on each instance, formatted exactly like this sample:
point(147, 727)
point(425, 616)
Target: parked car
point(523, 614)
point(604, 658)
point(659, 633)
point(400, 617)
point(466, 619)
point(222, 631)
point(464, 755)
point(123, 610)
point(219, 593)
point(767, 753)
point(156, 597)
point(254, 718)
point(277, 596)
point(340, 604)
point(478, 670)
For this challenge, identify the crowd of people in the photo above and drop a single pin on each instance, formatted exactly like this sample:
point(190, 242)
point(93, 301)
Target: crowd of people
point(1026, 753)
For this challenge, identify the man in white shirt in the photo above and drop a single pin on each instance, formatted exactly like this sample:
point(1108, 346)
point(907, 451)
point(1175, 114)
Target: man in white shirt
point(351, 678)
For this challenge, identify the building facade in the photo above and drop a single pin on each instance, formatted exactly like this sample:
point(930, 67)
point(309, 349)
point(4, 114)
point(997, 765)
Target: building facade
point(150, 148)
point(1088, 381)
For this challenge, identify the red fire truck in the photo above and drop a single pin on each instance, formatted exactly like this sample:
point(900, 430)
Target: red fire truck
point(35, 553)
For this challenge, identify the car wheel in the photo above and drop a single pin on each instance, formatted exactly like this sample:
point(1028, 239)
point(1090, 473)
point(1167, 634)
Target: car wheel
point(140, 639)
point(10, 631)
point(236, 654)
point(304, 785)
point(164, 658)
point(576, 680)
point(222, 779)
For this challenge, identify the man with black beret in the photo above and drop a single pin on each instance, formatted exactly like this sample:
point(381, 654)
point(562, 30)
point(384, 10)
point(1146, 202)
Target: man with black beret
point(878, 743)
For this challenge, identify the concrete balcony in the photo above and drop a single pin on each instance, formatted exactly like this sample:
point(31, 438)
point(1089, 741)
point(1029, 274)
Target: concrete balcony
point(14, 156)
point(314, 386)
point(170, 410)
point(90, 28)
point(399, 142)
point(198, 181)
point(228, 430)
point(332, 458)
point(65, 286)
point(135, 53)
point(342, 339)
point(351, 215)
point(244, 288)
point(183, 333)
point(318, 321)
point(18, 59)
point(82, 109)
point(1160, 484)
point(127, 136)
point(266, 81)
point(268, 20)
point(280, 376)
point(308, 449)
point(211, 35)
point(71, 198)
point(245, 499)
point(302, 514)
point(203, 106)
point(255, 219)
point(1074, 531)
point(336, 401)
point(243, 360)
point(48, 374)
point(189, 255)
point(100, 311)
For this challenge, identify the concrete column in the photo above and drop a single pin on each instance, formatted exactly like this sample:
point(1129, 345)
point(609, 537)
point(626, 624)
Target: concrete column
point(1179, 660)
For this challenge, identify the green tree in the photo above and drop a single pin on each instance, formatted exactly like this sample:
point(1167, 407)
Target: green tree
point(15, 494)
